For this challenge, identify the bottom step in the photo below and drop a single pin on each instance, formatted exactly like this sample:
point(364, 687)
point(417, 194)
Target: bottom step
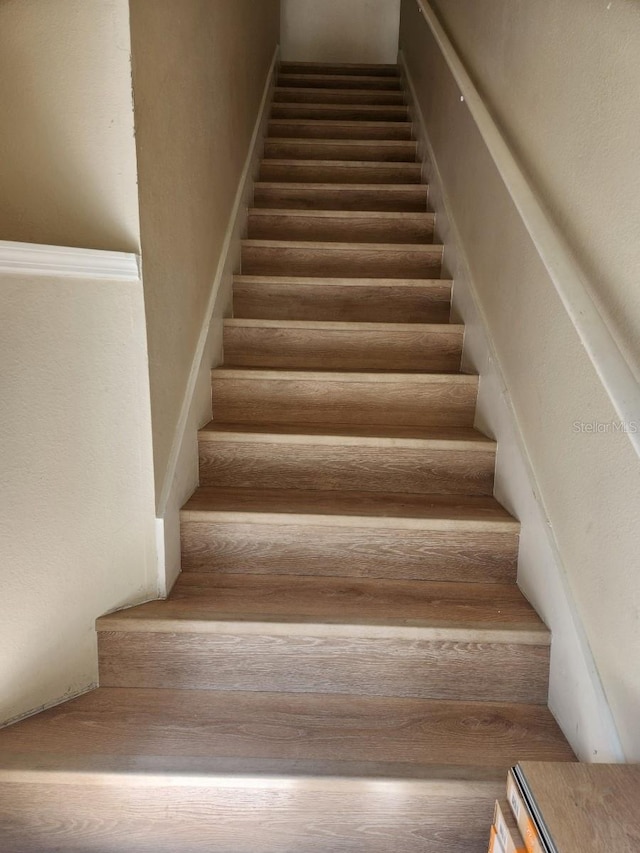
point(162, 771)
point(190, 811)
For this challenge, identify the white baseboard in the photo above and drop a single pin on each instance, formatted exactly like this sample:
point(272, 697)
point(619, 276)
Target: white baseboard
point(181, 475)
point(576, 695)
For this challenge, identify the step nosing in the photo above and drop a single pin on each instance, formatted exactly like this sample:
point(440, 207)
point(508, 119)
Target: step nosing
point(328, 245)
point(373, 215)
point(413, 165)
point(338, 325)
point(345, 520)
point(299, 625)
point(420, 189)
point(288, 375)
point(312, 281)
point(478, 445)
point(257, 773)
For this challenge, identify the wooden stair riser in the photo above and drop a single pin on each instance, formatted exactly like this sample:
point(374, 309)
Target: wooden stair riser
point(283, 129)
point(360, 99)
point(349, 68)
point(336, 81)
point(365, 468)
point(345, 111)
point(306, 663)
point(250, 344)
point(341, 226)
point(406, 198)
point(341, 260)
point(346, 149)
point(240, 397)
point(340, 171)
point(94, 816)
point(331, 299)
point(256, 547)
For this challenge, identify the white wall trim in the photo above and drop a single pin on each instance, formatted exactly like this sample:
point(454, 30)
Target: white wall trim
point(576, 697)
point(63, 261)
point(181, 474)
point(573, 286)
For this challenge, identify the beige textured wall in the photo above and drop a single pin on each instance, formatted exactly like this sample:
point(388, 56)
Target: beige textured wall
point(67, 155)
point(76, 505)
point(339, 31)
point(199, 69)
point(563, 81)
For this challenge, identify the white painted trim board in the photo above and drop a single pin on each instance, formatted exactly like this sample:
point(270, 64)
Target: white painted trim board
point(181, 474)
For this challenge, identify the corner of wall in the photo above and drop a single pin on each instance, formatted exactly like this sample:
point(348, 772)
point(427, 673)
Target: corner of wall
point(576, 694)
point(181, 475)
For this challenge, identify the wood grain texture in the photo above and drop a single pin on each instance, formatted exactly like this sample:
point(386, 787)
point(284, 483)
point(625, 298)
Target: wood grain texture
point(339, 81)
point(445, 438)
point(353, 68)
point(340, 171)
point(421, 604)
point(340, 226)
point(349, 300)
point(296, 129)
point(380, 197)
point(346, 346)
point(230, 462)
point(246, 396)
point(360, 260)
point(336, 97)
point(387, 150)
point(588, 807)
point(254, 546)
point(290, 726)
point(306, 663)
point(197, 818)
point(375, 509)
point(289, 107)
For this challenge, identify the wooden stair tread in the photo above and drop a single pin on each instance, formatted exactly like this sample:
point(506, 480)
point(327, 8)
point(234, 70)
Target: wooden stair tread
point(479, 511)
point(375, 112)
point(356, 68)
point(340, 81)
point(346, 215)
point(402, 144)
point(417, 189)
point(362, 100)
point(341, 326)
point(311, 281)
point(442, 437)
point(463, 608)
point(213, 732)
point(377, 248)
point(408, 166)
point(350, 124)
point(391, 377)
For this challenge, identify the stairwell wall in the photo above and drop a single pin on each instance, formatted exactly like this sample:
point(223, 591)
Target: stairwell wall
point(561, 79)
point(199, 72)
point(77, 502)
point(67, 152)
point(334, 31)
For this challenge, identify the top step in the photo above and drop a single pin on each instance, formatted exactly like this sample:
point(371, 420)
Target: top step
point(343, 69)
point(339, 81)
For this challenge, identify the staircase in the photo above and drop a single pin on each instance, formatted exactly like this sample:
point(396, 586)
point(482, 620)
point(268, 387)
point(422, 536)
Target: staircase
point(346, 663)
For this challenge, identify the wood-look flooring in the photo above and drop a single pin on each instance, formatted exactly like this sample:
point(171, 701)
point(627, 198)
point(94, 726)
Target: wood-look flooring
point(346, 664)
